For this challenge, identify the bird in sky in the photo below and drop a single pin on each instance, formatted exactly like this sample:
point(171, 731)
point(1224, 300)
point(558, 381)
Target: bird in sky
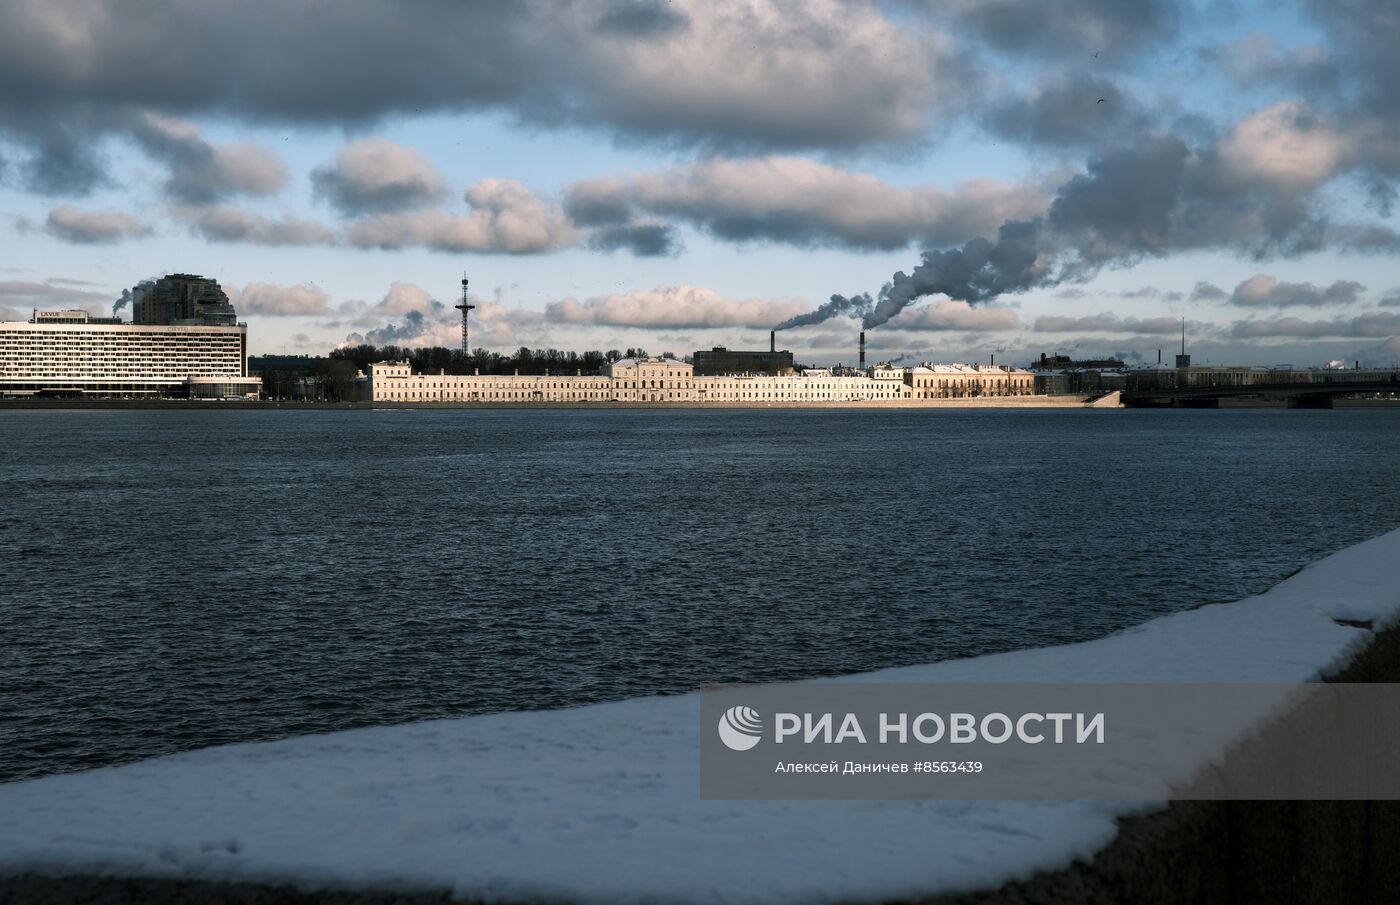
point(1100, 101)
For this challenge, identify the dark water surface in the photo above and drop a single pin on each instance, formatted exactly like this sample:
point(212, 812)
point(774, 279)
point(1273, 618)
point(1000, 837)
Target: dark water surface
point(170, 580)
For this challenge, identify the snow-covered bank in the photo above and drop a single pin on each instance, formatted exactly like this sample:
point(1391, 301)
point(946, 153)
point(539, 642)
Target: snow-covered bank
point(602, 803)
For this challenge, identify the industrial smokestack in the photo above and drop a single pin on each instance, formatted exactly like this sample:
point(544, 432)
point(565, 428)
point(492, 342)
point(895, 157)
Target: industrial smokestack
point(994, 359)
point(862, 350)
point(1159, 356)
point(772, 340)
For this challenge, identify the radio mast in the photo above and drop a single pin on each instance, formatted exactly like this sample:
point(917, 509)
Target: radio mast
point(464, 308)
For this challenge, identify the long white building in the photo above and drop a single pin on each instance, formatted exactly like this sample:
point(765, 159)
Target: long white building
point(72, 353)
point(666, 380)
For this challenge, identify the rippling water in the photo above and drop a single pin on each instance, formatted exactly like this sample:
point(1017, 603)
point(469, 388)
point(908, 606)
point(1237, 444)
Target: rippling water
point(177, 579)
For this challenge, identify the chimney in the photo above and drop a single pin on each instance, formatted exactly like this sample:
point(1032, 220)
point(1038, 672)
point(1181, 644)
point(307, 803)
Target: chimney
point(772, 340)
point(862, 350)
point(994, 359)
point(1159, 356)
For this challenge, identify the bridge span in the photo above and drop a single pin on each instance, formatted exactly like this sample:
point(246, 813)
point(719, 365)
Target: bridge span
point(1315, 393)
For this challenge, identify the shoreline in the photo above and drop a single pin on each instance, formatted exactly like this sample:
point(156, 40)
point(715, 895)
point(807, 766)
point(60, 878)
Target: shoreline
point(1017, 403)
point(143, 839)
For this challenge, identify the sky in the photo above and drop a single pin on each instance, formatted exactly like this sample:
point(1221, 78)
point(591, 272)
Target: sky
point(960, 178)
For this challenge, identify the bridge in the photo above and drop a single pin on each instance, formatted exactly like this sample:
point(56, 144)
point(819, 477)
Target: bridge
point(1316, 393)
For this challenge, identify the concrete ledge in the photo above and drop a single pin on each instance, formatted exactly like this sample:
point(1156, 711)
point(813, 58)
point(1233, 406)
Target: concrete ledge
point(1240, 852)
point(1197, 852)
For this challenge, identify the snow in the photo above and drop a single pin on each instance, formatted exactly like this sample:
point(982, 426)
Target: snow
point(602, 803)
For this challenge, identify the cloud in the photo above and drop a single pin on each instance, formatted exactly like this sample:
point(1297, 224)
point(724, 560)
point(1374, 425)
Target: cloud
point(1263, 291)
point(1391, 299)
point(427, 322)
point(1151, 292)
point(1152, 198)
point(1208, 292)
point(219, 223)
point(800, 202)
point(18, 295)
point(405, 297)
point(1256, 60)
point(760, 73)
point(1106, 322)
point(506, 218)
point(672, 306)
point(645, 240)
point(1068, 110)
point(85, 227)
point(1286, 146)
point(374, 175)
point(1374, 324)
point(201, 172)
point(272, 300)
point(641, 18)
point(947, 314)
point(1116, 30)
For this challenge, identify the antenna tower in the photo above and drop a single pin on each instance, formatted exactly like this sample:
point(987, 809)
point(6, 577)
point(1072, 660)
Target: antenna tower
point(464, 308)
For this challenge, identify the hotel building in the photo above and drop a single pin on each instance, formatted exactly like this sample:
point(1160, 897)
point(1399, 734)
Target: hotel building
point(71, 353)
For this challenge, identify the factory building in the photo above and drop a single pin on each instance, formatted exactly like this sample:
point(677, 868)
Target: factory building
point(72, 353)
point(647, 380)
point(720, 361)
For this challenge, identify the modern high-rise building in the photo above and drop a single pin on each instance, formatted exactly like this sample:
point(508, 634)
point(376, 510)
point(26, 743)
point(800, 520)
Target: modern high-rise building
point(182, 299)
point(72, 353)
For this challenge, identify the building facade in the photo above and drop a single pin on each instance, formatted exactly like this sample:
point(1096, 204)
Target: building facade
point(666, 380)
point(719, 362)
point(71, 353)
point(956, 381)
point(183, 299)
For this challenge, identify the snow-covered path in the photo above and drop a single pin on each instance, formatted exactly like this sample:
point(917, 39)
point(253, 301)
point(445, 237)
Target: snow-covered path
point(602, 803)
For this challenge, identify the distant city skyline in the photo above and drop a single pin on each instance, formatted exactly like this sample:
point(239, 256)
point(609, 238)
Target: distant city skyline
point(680, 175)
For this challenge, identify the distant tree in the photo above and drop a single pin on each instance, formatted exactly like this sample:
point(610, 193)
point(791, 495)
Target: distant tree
point(336, 379)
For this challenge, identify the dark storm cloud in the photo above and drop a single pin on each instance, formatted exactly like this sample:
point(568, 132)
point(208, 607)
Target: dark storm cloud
point(1116, 30)
point(1082, 109)
point(1256, 60)
point(1364, 35)
point(59, 157)
point(72, 71)
point(647, 240)
point(797, 201)
point(1122, 205)
point(201, 172)
point(641, 18)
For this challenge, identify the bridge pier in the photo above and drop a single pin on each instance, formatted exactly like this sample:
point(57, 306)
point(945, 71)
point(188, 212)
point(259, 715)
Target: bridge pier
point(1310, 401)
